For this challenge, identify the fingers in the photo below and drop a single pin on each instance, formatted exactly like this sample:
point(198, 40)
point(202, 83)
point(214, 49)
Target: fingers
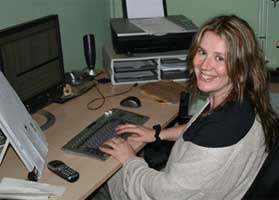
point(118, 148)
point(126, 125)
point(107, 150)
point(139, 133)
point(125, 128)
point(112, 143)
point(130, 128)
point(135, 138)
point(109, 146)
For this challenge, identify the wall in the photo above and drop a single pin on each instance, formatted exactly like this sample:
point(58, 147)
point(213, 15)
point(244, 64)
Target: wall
point(77, 17)
point(272, 51)
point(201, 10)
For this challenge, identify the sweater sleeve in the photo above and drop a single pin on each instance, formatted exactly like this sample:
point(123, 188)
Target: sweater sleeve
point(186, 179)
point(142, 182)
point(193, 171)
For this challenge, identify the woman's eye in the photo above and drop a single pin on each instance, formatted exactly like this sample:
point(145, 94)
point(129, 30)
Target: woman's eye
point(220, 58)
point(201, 52)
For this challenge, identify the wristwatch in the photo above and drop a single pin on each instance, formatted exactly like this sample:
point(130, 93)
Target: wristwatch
point(157, 129)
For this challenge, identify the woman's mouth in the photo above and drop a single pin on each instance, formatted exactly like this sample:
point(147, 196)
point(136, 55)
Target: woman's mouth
point(206, 77)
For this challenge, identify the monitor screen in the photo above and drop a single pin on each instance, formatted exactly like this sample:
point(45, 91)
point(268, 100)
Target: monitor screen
point(31, 59)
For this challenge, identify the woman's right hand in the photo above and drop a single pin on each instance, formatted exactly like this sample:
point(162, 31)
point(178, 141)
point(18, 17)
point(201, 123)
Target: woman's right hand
point(140, 133)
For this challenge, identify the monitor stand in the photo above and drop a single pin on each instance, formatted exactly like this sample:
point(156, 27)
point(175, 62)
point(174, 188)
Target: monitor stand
point(49, 119)
point(74, 91)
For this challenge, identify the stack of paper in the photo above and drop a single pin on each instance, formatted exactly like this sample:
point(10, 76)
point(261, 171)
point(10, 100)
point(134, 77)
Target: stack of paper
point(27, 190)
point(157, 25)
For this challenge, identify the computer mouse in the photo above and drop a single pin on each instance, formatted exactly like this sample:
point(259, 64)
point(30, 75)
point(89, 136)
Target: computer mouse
point(131, 101)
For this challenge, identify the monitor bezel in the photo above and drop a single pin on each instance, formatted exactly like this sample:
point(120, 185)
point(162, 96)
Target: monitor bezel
point(42, 98)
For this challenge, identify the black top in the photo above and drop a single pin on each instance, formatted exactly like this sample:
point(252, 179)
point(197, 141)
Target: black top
point(223, 127)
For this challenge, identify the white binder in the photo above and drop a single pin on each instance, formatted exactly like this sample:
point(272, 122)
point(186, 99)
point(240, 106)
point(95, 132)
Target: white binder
point(20, 130)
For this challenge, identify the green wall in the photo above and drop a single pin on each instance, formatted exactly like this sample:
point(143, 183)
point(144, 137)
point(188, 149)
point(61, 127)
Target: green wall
point(201, 10)
point(272, 51)
point(77, 17)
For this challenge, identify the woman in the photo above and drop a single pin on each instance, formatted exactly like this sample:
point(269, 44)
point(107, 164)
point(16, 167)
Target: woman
point(219, 152)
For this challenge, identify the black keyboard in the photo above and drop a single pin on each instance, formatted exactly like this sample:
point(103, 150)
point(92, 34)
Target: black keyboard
point(88, 141)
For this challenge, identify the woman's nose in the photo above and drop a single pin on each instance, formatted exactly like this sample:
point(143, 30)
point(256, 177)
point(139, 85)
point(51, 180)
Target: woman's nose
point(206, 64)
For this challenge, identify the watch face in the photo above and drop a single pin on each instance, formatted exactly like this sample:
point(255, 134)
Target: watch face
point(157, 129)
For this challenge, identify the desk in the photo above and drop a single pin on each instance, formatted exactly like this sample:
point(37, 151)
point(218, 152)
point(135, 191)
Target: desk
point(72, 117)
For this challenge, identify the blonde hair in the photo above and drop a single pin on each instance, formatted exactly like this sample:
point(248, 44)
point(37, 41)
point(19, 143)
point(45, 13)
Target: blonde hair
point(246, 68)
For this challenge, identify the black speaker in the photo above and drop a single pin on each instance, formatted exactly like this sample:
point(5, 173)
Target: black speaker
point(89, 52)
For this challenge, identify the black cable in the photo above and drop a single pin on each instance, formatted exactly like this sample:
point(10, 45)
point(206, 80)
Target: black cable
point(103, 98)
point(98, 74)
point(50, 119)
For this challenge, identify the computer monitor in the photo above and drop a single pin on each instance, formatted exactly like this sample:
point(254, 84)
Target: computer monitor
point(31, 59)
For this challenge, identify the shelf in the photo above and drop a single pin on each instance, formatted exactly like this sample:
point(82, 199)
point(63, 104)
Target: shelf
point(138, 68)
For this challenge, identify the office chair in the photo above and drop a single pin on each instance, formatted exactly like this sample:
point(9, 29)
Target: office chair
point(266, 184)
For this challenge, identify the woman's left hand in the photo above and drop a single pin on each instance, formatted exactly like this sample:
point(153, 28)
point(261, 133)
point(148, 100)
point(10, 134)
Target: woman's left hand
point(118, 148)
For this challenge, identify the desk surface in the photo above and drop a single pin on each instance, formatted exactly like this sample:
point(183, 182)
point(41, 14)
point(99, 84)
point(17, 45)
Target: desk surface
point(71, 118)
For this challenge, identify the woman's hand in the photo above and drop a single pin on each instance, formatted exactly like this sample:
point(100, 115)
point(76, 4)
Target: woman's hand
point(118, 148)
point(140, 133)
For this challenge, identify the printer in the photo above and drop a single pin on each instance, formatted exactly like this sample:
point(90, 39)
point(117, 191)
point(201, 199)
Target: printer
point(153, 34)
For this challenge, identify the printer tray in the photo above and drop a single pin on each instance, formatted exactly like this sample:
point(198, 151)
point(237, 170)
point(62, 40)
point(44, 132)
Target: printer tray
point(135, 76)
point(174, 74)
point(134, 65)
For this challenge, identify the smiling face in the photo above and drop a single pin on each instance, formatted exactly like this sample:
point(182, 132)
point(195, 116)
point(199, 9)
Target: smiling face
point(210, 67)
